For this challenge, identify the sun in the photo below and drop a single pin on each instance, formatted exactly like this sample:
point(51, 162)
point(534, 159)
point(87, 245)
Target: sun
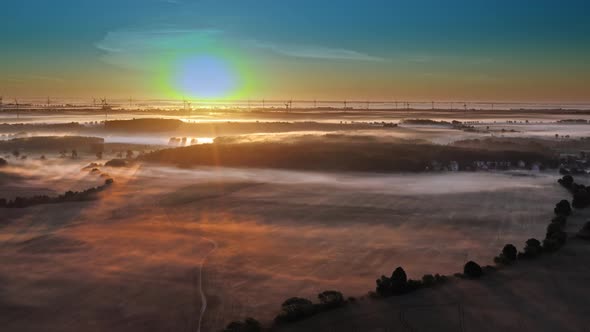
point(206, 77)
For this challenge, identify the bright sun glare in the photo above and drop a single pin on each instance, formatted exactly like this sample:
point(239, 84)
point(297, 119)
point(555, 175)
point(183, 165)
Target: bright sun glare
point(207, 77)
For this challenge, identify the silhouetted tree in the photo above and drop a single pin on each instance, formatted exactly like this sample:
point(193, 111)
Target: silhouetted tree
point(532, 248)
point(16, 153)
point(428, 280)
point(248, 325)
point(566, 181)
point(508, 255)
point(129, 154)
point(559, 220)
point(472, 270)
point(581, 198)
point(399, 281)
point(74, 154)
point(331, 299)
point(294, 309)
point(563, 208)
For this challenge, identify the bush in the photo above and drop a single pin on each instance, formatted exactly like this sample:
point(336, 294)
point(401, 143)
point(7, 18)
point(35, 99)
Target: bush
point(3, 162)
point(472, 270)
point(248, 325)
point(563, 208)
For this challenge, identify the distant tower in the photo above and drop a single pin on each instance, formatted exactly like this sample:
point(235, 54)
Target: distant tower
point(432, 105)
point(345, 105)
point(48, 102)
point(368, 105)
point(130, 102)
point(465, 107)
point(315, 104)
point(263, 105)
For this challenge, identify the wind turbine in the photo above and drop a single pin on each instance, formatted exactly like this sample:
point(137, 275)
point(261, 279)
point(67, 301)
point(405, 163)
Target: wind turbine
point(105, 108)
point(17, 110)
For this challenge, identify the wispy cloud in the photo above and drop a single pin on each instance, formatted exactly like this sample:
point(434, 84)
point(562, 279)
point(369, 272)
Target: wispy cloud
point(314, 52)
point(120, 46)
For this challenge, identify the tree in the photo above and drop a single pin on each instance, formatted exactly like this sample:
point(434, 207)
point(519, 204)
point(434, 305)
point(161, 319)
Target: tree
point(331, 299)
point(563, 208)
point(129, 154)
point(399, 281)
point(16, 153)
point(581, 198)
point(3, 162)
point(509, 253)
point(99, 155)
point(248, 325)
point(472, 270)
point(566, 181)
point(294, 309)
point(74, 154)
point(532, 248)
point(428, 280)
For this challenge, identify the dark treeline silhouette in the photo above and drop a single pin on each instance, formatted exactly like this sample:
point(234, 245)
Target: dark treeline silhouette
point(398, 283)
point(581, 193)
point(55, 143)
point(336, 155)
point(69, 196)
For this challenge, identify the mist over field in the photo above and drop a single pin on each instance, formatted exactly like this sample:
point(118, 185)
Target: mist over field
point(294, 166)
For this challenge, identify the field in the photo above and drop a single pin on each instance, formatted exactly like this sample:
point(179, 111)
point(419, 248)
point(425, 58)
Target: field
point(192, 236)
point(247, 239)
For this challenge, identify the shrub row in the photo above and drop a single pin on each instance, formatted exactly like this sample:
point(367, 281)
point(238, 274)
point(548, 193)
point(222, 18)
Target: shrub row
point(69, 196)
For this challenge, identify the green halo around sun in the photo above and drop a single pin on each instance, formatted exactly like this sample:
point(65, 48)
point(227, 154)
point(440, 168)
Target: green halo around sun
point(205, 75)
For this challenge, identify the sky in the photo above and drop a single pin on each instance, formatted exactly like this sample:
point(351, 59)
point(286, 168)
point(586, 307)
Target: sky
point(471, 50)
